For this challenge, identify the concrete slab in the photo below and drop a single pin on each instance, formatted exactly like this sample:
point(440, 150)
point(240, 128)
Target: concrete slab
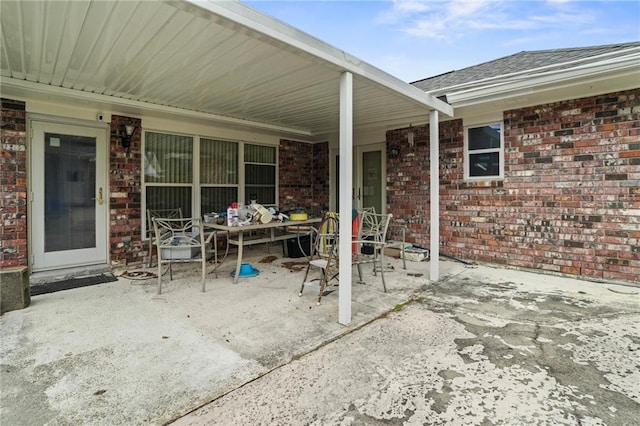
point(479, 344)
point(117, 353)
point(486, 346)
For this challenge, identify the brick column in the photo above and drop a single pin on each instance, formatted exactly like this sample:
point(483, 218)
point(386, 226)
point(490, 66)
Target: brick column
point(13, 185)
point(125, 225)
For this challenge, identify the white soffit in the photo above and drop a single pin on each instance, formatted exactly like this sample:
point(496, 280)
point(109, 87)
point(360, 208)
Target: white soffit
point(218, 60)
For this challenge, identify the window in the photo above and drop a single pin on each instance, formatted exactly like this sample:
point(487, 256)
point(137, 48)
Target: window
point(260, 173)
point(484, 152)
point(202, 175)
point(168, 171)
point(218, 174)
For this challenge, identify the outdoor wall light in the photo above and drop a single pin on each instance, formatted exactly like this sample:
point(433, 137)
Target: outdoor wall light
point(411, 141)
point(410, 135)
point(126, 135)
point(394, 151)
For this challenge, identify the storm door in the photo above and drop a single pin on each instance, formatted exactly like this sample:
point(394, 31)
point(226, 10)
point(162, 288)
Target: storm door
point(369, 177)
point(69, 195)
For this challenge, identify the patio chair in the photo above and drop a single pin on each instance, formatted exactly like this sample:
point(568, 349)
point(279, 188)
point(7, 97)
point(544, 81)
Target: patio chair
point(161, 213)
point(324, 253)
point(373, 236)
point(179, 240)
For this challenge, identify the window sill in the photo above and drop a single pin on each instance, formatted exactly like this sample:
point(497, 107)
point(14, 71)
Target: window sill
point(496, 182)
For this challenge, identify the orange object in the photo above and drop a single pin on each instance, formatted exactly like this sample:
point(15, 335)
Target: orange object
point(355, 227)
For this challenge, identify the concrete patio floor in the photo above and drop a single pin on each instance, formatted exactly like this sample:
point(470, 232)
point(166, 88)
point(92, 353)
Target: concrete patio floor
point(483, 346)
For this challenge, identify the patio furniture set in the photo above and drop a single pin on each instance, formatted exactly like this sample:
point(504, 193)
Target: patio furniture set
point(180, 240)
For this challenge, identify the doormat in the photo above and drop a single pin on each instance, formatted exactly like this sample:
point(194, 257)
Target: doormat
point(72, 283)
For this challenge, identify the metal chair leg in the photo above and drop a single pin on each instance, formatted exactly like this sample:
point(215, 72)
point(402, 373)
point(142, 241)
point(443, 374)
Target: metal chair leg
point(306, 274)
point(384, 285)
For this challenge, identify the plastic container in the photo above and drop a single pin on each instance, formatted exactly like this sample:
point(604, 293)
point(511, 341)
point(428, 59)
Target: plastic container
point(415, 254)
point(210, 217)
point(293, 250)
point(298, 216)
point(232, 215)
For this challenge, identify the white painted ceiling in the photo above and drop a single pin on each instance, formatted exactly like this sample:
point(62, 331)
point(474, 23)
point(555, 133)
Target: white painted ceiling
point(221, 60)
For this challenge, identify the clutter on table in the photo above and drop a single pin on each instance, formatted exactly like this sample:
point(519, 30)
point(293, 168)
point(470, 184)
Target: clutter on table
point(298, 214)
point(239, 214)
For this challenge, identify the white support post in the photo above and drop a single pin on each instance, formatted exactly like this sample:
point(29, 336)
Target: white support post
point(346, 183)
point(434, 196)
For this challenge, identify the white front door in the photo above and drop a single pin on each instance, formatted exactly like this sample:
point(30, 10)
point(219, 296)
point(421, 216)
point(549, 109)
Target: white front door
point(69, 195)
point(369, 177)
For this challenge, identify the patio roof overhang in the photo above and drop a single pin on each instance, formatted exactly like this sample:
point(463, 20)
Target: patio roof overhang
point(217, 61)
point(220, 61)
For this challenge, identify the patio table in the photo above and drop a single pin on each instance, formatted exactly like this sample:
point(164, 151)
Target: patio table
point(278, 231)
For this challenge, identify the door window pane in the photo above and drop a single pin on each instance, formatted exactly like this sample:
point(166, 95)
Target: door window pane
point(372, 180)
point(70, 192)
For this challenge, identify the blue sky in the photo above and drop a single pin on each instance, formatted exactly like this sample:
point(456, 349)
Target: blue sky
point(415, 39)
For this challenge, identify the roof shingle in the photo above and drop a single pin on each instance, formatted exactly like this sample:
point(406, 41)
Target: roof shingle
point(523, 62)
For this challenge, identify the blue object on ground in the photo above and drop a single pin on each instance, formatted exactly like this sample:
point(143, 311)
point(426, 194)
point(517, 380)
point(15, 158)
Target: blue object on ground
point(246, 271)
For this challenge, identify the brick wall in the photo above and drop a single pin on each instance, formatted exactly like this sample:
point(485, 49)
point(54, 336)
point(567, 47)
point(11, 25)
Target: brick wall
point(13, 185)
point(570, 200)
point(303, 176)
point(320, 203)
point(408, 186)
point(125, 176)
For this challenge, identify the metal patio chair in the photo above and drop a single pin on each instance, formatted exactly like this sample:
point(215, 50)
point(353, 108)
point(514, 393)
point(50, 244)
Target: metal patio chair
point(371, 242)
point(159, 213)
point(179, 240)
point(324, 253)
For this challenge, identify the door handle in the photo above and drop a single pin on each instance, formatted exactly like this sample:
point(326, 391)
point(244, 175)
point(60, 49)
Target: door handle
point(100, 200)
point(358, 193)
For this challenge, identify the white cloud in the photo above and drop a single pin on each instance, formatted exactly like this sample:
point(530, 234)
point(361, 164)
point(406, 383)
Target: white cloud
point(448, 19)
point(464, 8)
point(453, 19)
point(412, 5)
point(558, 2)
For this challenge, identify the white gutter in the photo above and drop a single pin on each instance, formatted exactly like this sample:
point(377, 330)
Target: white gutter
point(522, 83)
point(241, 14)
point(632, 53)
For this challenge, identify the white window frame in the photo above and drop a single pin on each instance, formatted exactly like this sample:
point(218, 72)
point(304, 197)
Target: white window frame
point(198, 185)
point(195, 184)
point(467, 159)
point(245, 197)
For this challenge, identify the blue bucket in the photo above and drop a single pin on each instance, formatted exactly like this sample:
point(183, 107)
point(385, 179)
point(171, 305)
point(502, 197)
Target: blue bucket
point(246, 271)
